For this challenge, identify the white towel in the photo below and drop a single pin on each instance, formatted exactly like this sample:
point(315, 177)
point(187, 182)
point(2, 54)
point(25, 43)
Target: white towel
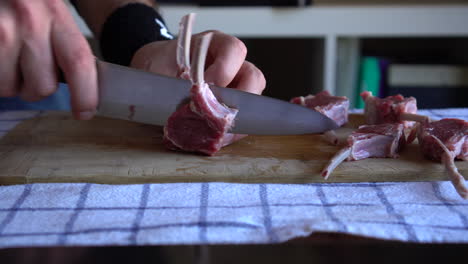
point(218, 213)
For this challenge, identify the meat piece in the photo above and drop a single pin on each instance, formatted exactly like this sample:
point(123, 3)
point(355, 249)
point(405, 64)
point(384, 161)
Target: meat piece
point(369, 141)
point(452, 132)
point(390, 109)
point(445, 140)
point(334, 107)
point(202, 125)
point(376, 141)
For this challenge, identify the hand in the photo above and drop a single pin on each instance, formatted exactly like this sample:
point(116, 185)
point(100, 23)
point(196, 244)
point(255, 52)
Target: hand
point(36, 39)
point(225, 64)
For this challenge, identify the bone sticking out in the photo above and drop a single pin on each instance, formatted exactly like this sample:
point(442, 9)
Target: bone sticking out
point(183, 44)
point(331, 137)
point(413, 134)
point(335, 161)
point(198, 65)
point(414, 117)
point(455, 177)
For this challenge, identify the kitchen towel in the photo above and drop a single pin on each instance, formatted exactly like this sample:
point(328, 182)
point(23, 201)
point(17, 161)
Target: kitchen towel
point(226, 213)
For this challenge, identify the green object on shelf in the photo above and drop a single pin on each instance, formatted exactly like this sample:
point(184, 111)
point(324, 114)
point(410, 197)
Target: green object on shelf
point(369, 78)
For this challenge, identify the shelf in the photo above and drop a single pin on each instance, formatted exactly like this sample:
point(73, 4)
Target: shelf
point(434, 20)
point(359, 21)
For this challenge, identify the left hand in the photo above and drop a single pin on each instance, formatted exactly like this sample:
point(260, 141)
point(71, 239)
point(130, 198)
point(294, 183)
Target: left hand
point(225, 64)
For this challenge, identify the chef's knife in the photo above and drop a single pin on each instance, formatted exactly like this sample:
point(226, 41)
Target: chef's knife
point(130, 94)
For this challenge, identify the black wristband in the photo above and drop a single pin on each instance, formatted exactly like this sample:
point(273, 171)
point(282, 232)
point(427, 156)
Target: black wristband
point(128, 29)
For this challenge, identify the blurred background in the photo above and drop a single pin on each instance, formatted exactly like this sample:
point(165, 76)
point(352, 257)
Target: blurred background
point(413, 47)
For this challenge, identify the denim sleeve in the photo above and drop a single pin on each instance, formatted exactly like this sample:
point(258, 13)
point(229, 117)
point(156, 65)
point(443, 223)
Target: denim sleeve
point(60, 100)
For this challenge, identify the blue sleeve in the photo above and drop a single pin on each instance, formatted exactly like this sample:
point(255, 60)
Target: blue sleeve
point(60, 100)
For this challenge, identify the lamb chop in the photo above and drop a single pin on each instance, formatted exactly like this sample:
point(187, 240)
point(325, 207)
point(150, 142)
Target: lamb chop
point(369, 141)
point(390, 109)
point(334, 107)
point(445, 140)
point(202, 125)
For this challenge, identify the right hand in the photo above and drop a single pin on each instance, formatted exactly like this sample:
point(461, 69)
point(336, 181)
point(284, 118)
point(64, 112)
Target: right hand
point(37, 38)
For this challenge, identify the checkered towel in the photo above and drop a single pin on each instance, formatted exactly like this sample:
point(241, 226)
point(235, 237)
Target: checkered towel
point(217, 213)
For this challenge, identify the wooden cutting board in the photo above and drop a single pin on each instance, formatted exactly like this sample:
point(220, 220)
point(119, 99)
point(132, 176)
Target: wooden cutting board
point(55, 148)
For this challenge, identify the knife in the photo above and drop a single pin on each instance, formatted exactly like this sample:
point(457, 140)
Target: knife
point(131, 94)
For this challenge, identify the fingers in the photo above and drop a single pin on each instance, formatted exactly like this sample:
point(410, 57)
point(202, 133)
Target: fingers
point(36, 59)
point(77, 62)
point(32, 35)
point(9, 53)
point(157, 57)
point(225, 58)
point(227, 65)
point(249, 79)
point(226, 62)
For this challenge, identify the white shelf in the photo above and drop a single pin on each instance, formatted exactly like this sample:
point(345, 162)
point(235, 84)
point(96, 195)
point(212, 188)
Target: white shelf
point(437, 20)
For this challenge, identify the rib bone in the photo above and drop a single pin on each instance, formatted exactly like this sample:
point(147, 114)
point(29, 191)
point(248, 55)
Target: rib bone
point(454, 175)
point(198, 65)
point(414, 117)
point(335, 161)
point(183, 45)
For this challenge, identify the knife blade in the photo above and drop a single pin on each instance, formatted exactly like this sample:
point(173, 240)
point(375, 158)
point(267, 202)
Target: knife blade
point(130, 94)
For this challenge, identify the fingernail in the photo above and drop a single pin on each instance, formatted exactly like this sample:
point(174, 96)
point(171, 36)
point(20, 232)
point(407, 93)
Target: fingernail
point(85, 115)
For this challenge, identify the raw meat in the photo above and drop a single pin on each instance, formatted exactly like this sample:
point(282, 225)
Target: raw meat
point(446, 140)
point(203, 124)
point(369, 141)
point(334, 107)
point(395, 108)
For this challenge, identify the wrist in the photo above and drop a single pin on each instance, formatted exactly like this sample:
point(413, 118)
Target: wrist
point(129, 28)
point(95, 12)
